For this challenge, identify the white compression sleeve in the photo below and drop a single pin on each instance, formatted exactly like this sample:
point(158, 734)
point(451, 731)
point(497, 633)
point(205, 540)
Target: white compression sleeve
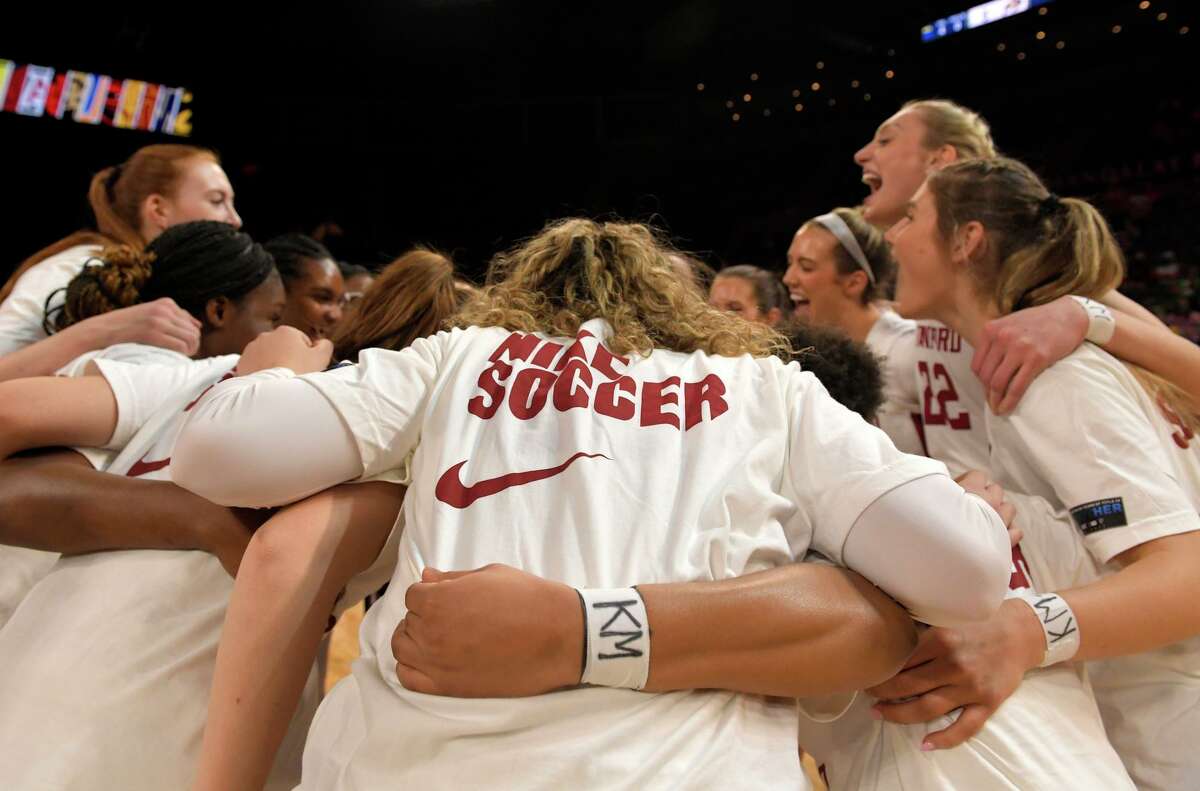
point(263, 440)
point(942, 553)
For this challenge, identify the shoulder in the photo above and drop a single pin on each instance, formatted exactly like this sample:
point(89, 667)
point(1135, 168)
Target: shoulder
point(1085, 372)
point(56, 271)
point(68, 262)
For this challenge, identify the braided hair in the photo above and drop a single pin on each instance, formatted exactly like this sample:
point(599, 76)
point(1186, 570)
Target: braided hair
point(291, 250)
point(191, 263)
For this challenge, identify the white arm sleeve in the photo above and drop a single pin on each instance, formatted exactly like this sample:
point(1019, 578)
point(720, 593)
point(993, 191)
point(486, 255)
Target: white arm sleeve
point(273, 438)
point(942, 553)
point(263, 440)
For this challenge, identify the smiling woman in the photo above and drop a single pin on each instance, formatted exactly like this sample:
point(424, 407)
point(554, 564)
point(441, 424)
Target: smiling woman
point(753, 293)
point(313, 281)
point(160, 186)
point(924, 134)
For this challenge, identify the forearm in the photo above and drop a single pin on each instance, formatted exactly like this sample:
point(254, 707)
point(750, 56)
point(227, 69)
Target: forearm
point(46, 356)
point(1148, 604)
point(58, 503)
point(1122, 304)
point(796, 631)
point(291, 575)
point(1154, 347)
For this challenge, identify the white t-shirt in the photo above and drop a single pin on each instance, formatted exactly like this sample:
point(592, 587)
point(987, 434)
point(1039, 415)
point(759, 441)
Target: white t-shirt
point(894, 340)
point(533, 452)
point(1047, 736)
point(1088, 439)
point(21, 568)
point(108, 661)
point(23, 312)
point(953, 403)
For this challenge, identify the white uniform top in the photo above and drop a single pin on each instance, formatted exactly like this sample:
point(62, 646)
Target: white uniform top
point(894, 340)
point(534, 452)
point(108, 661)
point(1088, 439)
point(1048, 735)
point(953, 403)
point(21, 568)
point(22, 313)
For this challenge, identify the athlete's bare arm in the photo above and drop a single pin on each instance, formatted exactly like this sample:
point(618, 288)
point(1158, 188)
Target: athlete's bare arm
point(291, 575)
point(52, 411)
point(795, 631)
point(1014, 349)
point(159, 323)
point(1148, 604)
point(58, 503)
point(798, 630)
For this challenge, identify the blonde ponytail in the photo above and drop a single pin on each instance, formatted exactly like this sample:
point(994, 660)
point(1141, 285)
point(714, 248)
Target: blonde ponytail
point(1038, 247)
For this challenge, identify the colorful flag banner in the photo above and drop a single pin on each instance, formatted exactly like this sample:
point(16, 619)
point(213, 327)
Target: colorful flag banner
point(87, 98)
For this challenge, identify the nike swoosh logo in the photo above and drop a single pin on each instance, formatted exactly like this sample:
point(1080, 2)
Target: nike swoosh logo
point(451, 491)
point(142, 467)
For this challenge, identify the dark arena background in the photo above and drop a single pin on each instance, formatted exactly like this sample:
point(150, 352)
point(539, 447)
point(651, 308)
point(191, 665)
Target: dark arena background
point(466, 124)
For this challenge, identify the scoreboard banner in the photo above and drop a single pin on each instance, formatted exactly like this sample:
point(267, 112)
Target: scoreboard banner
point(86, 98)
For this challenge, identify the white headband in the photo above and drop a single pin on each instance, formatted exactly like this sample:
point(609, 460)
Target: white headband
point(837, 226)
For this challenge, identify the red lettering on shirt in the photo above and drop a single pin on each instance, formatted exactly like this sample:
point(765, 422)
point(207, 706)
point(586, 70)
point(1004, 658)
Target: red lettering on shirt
point(518, 346)
point(603, 360)
point(572, 384)
point(490, 382)
point(529, 392)
point(940, 339)
point(654, 398)
point(610, 405)
point(570, 391)
point(696, 394)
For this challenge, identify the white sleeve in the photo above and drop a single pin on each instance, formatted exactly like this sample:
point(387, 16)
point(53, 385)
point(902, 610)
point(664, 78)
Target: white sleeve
point(140, 391)
point(22, 313)
point(1082, 433)
point(837, 466)
point(940, 552)
point(263, 440)
point(271, 438)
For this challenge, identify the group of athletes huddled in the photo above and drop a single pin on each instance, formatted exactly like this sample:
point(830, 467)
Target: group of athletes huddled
point(925, 509)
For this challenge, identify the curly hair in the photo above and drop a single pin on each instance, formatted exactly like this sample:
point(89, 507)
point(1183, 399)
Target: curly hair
point(848, 369)
point(577, 269)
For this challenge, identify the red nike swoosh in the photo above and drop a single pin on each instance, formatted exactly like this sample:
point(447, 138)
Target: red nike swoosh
point(141, 467)
point(451, 491)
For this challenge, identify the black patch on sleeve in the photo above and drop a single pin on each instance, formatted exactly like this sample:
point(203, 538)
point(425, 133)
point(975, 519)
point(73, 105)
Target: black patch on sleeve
point(1100, 515)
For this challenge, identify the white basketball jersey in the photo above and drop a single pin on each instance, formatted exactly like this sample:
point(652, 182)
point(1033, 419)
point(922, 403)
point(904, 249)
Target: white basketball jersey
point(893, 340)
point(953, 403)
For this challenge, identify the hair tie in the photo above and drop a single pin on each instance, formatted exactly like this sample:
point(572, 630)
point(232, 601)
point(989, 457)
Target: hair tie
point(111, 182)
point(1050, 206)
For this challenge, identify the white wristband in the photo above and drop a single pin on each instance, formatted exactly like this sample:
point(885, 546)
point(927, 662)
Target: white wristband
point(617, 635)
point(1058, 623)
point(1101, 322)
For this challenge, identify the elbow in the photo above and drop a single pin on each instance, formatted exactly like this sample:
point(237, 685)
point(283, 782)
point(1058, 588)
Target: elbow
point(884, 635)
point(984, 583)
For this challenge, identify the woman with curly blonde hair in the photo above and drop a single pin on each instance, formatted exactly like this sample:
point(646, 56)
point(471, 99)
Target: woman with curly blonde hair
point(591, 420)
